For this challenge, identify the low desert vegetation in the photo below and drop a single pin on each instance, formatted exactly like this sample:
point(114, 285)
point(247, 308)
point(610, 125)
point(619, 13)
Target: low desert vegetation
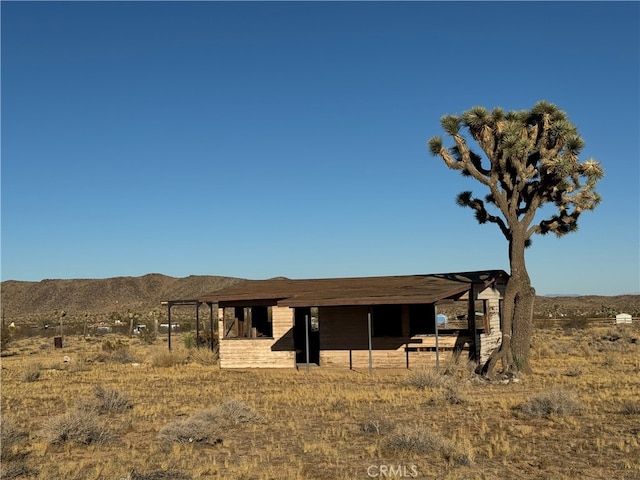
point(119, 407)
point(79, 426)
point(555, 401)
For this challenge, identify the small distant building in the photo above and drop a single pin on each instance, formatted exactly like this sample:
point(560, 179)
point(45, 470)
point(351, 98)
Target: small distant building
point(623, 318)
point(349, 322)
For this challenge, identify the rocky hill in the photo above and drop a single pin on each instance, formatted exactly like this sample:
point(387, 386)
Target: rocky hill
point(35, 301)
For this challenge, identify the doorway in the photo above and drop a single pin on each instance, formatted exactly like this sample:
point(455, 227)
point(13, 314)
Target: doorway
point(310, 316)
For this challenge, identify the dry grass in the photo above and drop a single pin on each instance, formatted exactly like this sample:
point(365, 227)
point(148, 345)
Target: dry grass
point(555, 401)
point(328, 424)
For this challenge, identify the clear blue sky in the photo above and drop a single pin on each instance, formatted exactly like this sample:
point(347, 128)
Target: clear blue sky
point(288, 139)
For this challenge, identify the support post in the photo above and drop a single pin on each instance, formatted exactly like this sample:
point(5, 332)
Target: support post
point(211, 326)
point(471, 321)
point(370, 343)
point(406, 350)
point(306, 340)
point(169, 320)
point(435, 308)
point(197, 324)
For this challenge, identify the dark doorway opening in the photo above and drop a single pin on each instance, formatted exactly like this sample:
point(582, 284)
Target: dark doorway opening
point(301, 316)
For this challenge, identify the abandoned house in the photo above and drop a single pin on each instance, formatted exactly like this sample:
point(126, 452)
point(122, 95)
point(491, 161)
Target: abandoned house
point(356, 322)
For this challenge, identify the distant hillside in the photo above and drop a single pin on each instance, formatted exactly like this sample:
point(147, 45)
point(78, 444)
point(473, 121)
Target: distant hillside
point(102, 296)
point(99, 297)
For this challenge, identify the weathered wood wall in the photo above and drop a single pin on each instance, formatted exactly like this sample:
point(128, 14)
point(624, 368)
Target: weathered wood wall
point(491, 337)
point(275, 352)
point(344, 342)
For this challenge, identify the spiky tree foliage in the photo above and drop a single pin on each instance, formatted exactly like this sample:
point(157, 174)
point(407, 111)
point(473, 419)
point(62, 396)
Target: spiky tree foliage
point(530, 160)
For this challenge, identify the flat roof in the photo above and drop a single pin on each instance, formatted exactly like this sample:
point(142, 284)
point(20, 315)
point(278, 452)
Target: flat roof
point(401, 289)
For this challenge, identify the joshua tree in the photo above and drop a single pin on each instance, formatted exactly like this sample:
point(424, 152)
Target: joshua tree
point(531, 160)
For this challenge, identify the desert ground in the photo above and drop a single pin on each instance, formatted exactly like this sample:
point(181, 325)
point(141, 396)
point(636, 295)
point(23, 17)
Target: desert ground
point(115, 407)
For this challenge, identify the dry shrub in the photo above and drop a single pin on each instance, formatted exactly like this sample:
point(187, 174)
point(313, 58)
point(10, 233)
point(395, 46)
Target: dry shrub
point(32, 372)
point(116, 351)
point(106, 400)
point(459, 367)
point(13, 464)
point(166, 358)
point(10, 437)
point(630, 407)
point(78, 426)
point(207, 425)
point(158, 475)
point(424, 378)
point(555, 401)
point(422, 441)
point(201, 427)
point(112, 345)
point(204, 356)
point(451, 395)
point(339, 405)
point(80, 364)
point(377, 426)
point(234, 412)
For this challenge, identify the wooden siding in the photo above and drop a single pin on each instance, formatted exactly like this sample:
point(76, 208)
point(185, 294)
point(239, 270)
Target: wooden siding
point(381, 358)
point(276, 352)
point(344, 342)
point(491, 338)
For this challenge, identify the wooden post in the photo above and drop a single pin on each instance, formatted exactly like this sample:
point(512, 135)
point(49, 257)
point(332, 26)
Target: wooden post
point(471, 321)
point(169, 320)
point(306, 340)
point(370, 343)
point(406, 349)
point(435, 309)
point(210, 326)
point(197, 324)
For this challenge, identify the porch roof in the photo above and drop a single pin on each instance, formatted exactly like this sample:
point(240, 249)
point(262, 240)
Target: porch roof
point(404, 289)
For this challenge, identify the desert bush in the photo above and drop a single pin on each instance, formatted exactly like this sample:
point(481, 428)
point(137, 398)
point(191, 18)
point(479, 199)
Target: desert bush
point(112, 345)
point(116, 351)
point(148, 336)
point(10, 436)
point(555, 401)
point(6, 336)
point(158, 475)
point(81, 364)
point(32, 372)
point(13, 463)
point(422, 441)
point(204, 356)
point(206, 426)
point(234, 412)
point(166, 358)
point(451, 395)
point(189, 340)
point(339, 405)
point(106, 400)
point(80, 426)
point(460, 368)
point(424, 378)
point(630, 407)
point(377, 426)
point(415, 439)
point(202, 427)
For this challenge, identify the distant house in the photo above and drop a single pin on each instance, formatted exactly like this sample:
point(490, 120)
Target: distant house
point(350, 322)
point(623, 318)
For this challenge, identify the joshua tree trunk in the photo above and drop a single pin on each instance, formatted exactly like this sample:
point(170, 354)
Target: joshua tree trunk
point(517, 320)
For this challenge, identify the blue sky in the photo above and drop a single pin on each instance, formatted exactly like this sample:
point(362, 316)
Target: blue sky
point(288, 139)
